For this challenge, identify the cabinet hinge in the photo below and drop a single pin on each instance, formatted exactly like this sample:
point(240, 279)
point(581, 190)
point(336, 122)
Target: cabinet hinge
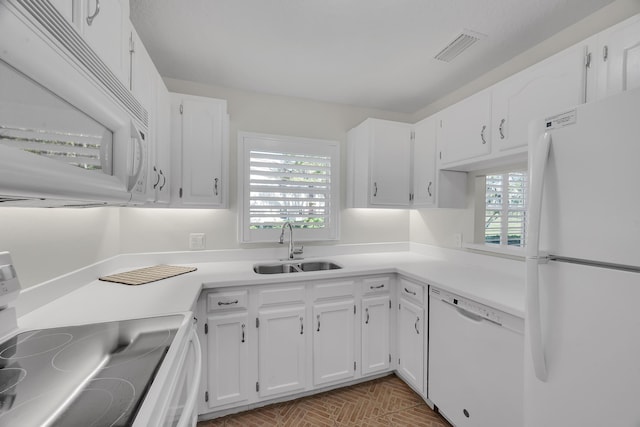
point(605, 53)
point(413, 135)
point(257, 386)
point(181, 108)
point(389, 357)
point(389, 304)
point(206, 396)
point(354, 309)
point(257, 322)
point(440, 155)
point(398, 306)
point(180, 193)
point(587, 60)
point(206, 328)
point(354, 365)
point(132, 45)
point(398, 360)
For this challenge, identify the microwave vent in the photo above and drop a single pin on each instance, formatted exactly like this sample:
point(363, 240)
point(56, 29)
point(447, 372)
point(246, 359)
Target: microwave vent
point(462, 42)
point(63, 32)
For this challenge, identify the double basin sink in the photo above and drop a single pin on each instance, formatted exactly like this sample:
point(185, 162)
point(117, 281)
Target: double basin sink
point(295, 267)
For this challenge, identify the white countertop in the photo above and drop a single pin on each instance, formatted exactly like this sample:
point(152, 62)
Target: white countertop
point(492, 281)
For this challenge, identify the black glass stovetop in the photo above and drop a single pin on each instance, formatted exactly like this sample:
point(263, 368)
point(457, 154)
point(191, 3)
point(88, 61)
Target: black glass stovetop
point(89, 375)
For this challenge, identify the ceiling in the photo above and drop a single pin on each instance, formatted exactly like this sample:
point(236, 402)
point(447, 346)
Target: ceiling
point(368, 53)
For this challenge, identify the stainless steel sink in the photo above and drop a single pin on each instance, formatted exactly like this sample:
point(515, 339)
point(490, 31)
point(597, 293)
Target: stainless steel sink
point(319, 265)
point(289, 267)
point(276, 268)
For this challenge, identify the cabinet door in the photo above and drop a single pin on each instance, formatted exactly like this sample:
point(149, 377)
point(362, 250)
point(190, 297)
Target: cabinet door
point(464, 131)
point(375, 334)
point(104, 26)
point(333, 341)
point(281, 350)
point(390, 161)
point(424, 163)
point(162, 144)
point(227, 345)
point(618, 58)
point(202, 138)
point(411, 334)
point(548, 88)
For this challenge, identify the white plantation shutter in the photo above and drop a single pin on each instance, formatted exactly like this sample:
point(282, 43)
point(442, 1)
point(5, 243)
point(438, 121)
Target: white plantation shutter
point(288, 179)
point(505, 208)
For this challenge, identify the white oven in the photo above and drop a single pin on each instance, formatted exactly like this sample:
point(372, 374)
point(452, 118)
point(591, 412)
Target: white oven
point(173, 402)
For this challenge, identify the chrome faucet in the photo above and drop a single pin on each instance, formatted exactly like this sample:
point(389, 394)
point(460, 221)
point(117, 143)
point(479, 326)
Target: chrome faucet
point(292, 250)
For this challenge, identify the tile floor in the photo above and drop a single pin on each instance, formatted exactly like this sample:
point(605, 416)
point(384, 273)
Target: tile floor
point(383, 402)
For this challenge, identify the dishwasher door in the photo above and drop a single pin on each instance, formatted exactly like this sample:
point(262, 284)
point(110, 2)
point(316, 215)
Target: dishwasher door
point(475, 364)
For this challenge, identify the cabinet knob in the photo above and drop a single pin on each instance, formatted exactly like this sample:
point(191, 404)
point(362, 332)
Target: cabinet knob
point(501, 128)
point(318, 317)
point(242, 332)
point(215, 186)
point(155, 185)
point(91, 17)
point(301, 325)
point(366, 310)
point(164, 180)
point(416, 325)
point(375, 189)
point(429, 188)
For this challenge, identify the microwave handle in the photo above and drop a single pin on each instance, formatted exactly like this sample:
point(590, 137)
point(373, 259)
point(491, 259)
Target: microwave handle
point(138, 138)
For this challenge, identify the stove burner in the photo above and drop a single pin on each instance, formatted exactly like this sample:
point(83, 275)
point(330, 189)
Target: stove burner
point(36, 345)
point(10, 377)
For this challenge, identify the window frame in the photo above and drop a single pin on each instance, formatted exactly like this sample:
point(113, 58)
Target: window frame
point(248, 141)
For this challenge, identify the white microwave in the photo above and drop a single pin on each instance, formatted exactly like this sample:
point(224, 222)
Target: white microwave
point(71, 134)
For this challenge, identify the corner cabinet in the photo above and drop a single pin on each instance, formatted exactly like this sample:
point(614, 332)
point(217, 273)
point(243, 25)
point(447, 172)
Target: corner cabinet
point(411, 334)
point(431, 187)
point(378, 153)
point(200, 145)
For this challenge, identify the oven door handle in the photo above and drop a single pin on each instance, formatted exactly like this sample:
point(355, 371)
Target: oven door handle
point(187, 414)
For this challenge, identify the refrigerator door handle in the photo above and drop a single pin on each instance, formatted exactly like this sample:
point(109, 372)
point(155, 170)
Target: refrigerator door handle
point(534, 320)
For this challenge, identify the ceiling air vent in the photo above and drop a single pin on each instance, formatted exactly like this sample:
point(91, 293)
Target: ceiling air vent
point(461, 43)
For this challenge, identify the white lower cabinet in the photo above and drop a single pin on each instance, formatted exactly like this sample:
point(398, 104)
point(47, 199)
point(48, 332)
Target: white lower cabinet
point(376, 316)
point(228, 357)
point(281, 350)
point(333, 341)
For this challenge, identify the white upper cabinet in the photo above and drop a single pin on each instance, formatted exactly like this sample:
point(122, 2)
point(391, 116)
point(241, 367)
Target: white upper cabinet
point(160, 168)
point(464, 131)
point(104, 25)
point(378, 154)
point(547, 88)
point(200, 139)
point(616, 58)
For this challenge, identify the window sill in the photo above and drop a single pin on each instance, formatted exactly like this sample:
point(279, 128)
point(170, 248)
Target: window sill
point(503, 250)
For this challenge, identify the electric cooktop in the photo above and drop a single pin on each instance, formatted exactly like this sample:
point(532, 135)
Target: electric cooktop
point(88, 375)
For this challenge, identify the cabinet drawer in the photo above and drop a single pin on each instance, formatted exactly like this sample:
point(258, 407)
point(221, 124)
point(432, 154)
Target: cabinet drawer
point(333, 289)
point(375, 285)
point(283, 295)
point(217, 301)
point(411, 290)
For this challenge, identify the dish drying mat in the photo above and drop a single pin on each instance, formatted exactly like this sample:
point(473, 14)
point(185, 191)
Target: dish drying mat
point(147, 274)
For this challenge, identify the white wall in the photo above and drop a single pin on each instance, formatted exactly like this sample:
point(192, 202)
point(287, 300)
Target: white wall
point(145, 230)
point(436, 227)
point(46, 243)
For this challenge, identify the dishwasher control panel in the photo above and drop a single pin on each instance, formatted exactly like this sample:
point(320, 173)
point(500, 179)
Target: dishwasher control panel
point(479, 310)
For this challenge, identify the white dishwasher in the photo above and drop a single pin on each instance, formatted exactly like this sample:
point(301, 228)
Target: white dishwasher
point(475, 362)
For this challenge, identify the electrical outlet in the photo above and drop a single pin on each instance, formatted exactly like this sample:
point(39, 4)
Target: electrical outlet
point(196, 241)
point(457, 240)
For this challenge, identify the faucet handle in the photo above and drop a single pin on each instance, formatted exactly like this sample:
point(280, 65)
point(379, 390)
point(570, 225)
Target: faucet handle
point(298, 251)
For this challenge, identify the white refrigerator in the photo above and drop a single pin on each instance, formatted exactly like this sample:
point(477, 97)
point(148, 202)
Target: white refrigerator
point(582, 338)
